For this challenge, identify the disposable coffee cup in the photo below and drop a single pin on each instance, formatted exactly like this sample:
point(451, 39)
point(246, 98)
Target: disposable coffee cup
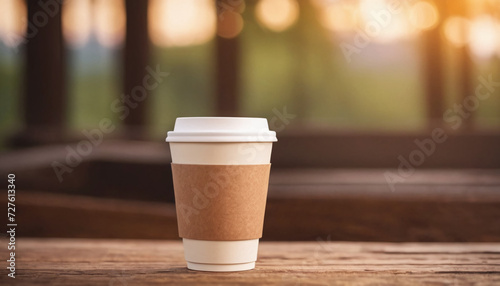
point(220, 168)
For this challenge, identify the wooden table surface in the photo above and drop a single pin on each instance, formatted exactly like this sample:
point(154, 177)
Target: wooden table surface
point(153, 262)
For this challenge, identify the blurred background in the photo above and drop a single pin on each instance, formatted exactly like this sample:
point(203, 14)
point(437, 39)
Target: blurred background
point(89, 88)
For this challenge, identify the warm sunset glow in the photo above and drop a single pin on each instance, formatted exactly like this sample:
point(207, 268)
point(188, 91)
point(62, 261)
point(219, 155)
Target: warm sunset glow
point(484, 36)
point(103, 18)
point(109, 22)
point(395, 27)
point(399, 28)
point(12, 25)
point(277, 15)
point(424, 15)
point(338, 17)
point(181, 22)
point(77, 22)
point(456, 30)
point(368, 7)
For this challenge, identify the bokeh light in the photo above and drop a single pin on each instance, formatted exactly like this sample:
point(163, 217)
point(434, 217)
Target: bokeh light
point(12, 22)
point(424, 15)
point(109, 22)
point(339, 17)
point(229, 24)
point(456, 31)
point(103, 18)
point(277, 15)
point(484, 36)
point(77, 22)
point(181, 22)
point(368, 7)
point(391, 26)
point(399, 29)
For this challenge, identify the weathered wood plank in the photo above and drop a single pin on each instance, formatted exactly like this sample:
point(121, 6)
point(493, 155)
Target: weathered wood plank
point(122, 262)
point(57, 215)
point(312, 147)
point(377, 176)
point(478, 185)
point(119, 169)
point(294, 212)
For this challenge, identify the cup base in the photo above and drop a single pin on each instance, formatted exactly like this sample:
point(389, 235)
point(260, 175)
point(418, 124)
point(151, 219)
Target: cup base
point(220, 267)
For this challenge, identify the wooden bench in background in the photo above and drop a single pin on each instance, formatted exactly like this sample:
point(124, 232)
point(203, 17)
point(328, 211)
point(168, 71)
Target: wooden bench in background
point(124, 190)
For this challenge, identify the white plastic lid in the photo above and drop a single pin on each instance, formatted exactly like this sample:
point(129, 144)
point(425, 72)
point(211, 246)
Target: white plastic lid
point(221, 129)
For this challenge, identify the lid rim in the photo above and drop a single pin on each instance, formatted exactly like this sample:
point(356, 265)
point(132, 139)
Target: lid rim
point(221, 129)
point(222, 137)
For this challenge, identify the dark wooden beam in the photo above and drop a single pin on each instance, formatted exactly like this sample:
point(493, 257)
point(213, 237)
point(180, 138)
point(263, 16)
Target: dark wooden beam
point(300, 50)
point(433, 69)
point(136, 57)
point(44, 88)
point(309, 149)
point(466, 66)
point(227, 76)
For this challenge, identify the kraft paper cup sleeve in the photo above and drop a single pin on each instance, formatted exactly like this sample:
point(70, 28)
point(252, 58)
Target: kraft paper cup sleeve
point(220, 202)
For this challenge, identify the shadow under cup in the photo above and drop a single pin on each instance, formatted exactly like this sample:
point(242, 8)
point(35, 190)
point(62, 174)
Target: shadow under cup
point(221, 189)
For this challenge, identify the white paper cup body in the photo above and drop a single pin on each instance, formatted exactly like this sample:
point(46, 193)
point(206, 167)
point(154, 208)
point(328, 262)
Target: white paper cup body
point(223, 153)
point(221, 256)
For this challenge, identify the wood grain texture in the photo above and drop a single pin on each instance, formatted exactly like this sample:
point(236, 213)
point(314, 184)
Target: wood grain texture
point(136, 262)
point(345, 205)
point(305, 204)
point(358, 205)
point(51, 215)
